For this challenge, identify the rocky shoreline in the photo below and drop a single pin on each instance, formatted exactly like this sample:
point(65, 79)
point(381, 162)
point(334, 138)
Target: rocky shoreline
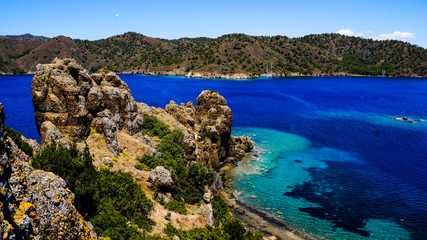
point(245, 76)
point(269, 226)
point(239, 76)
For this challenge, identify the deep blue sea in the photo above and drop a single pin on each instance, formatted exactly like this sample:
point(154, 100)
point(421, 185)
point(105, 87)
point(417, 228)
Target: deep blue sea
point(330, 158)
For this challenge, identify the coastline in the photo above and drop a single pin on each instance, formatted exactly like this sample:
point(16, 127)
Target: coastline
point(238, 76)
point(245, 76)
point(255, 220)
point(250, 76)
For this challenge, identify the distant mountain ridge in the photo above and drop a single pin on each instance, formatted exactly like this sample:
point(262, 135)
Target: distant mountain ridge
point(27, 36)
point(238, 54)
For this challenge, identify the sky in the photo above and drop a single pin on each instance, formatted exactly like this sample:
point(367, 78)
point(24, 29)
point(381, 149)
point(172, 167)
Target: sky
point(404, 20)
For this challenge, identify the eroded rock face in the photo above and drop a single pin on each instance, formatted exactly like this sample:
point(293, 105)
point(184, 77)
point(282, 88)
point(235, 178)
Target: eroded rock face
point(184, 113)
point(206, 211)
point(214, 118)
point(72, 100)
point(207, 129)
point(50, 134)
point(34, 204)
point(70, 104)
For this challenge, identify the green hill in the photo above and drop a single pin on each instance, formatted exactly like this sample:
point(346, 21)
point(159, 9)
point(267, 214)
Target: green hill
point(324, 54)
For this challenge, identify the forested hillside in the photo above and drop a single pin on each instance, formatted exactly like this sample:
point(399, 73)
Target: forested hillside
point(324, 54)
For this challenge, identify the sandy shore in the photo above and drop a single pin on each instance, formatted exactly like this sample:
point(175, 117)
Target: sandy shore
point(256, 220)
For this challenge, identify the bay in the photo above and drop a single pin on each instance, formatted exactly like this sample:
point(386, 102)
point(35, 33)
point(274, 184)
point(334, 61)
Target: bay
point(330, 156)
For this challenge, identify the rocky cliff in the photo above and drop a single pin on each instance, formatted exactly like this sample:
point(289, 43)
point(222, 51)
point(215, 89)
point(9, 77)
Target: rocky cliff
point(71, 105)
point(210, 124)
point(34, 204)
point(66, 98)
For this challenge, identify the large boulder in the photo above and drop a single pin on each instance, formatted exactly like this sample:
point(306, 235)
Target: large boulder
point(35, 204)
point(70, 98)
point(161, 176)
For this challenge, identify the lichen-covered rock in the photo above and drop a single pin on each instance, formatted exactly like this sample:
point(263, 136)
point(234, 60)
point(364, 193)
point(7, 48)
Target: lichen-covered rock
point(207, 197)
point(161, 176)
point(66, 95)
point(34, 204)
point(2, 130)
point(105, 123)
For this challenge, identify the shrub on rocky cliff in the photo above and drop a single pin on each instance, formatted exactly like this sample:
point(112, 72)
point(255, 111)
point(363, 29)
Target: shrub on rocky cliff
point(154, 127)
point(175, 206)
point(110, 200)
point(16, 137)
point(189, 182)
point(118, 190)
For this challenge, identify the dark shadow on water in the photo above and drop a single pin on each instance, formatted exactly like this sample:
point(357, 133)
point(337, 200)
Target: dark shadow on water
point(349, 202)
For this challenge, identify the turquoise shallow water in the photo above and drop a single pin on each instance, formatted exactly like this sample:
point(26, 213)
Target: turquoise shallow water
point(281, 161)
point(331, 158)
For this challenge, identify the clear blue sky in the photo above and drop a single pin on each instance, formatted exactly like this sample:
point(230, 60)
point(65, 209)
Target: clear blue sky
point(399, 19)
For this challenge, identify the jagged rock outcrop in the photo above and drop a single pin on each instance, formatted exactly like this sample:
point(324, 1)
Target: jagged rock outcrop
point(239, 146)
point(71, 105)
point(207, 129)
point(215, 119)
point(73, 101)
point(34, 204)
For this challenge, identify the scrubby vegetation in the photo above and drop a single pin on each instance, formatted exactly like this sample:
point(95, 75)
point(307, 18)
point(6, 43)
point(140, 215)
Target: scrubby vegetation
point(226, 227)
point(16, 137)
point(175, 206)
point(189, 181)
point(116, 205)
point(112, 201)
point(154, 127)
